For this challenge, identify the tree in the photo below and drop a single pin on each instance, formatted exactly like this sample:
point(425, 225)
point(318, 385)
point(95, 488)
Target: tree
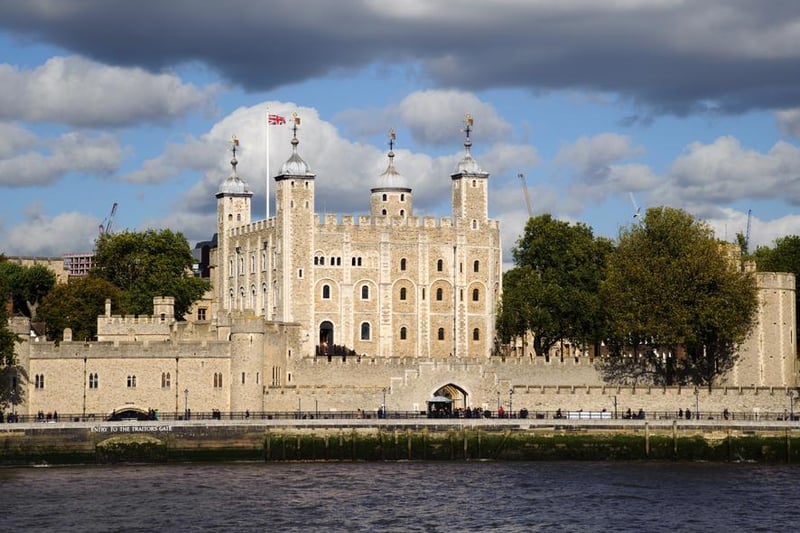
point(27, 285)
point(9, 370)
point(784, 257)
point(553, 291)
point(77, 305)
point(149, 264)
point(678, 308)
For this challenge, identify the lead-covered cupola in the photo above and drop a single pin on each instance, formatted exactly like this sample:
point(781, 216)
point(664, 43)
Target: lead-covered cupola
point(470, 185)
point(392, 196)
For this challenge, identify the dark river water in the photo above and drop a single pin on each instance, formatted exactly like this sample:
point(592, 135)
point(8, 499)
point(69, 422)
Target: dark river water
point(484, 496)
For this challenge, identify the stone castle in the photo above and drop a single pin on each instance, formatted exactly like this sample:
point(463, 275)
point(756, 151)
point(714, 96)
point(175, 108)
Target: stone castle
point(321, 314)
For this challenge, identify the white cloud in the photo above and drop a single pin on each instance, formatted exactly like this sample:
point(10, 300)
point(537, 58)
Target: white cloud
point(592, 157)
point(41, 235)
point(83, 93)
point(51, 158)
point(789, 121)
point(724, 171)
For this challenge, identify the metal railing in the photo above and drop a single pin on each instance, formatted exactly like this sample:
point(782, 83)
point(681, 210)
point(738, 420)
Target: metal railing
point(740, 416)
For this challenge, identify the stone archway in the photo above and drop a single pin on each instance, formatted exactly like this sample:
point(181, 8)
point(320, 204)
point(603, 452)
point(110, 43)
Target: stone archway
point(456, 394)
point(325, 346)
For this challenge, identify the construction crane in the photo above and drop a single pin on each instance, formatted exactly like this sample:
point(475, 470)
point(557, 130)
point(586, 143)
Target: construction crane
point(105, 229)
point(525, 192)
point(636, 209)
point(747, 233)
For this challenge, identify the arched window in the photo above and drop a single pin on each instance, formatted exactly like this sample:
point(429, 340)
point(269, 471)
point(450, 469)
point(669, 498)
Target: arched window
point(476, 334)
point(402, 293)
point(403, 333)
point(402, 212)
point(383, 197)
point(365, 292)
point(403, 264)
point(365, 331)
point(476, 295)
point(476, 266)
point(440, 334)
point(326, 292)
point(439, 294)
point(383, 212)
point(402, 197)
point(439, 265)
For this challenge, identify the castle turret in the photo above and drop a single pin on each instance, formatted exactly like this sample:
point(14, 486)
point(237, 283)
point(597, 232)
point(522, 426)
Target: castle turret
point(295, 222)
point(233, 211)
point(470, 186)
point(392, 197)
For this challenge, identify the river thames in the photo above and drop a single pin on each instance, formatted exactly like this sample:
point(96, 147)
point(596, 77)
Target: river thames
point(426, 496)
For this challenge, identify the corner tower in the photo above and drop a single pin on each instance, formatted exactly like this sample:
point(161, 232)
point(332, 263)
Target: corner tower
point(470, 186)
point(393, 196)
point(233, 211)
point(295, 222)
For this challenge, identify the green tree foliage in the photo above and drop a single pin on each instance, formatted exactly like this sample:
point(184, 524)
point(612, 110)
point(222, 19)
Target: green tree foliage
point(77, 305)
point(27, 286)
point(8, 362)
point(783, 257)
point(553, 291)
point(678, 308)
point(149, 264)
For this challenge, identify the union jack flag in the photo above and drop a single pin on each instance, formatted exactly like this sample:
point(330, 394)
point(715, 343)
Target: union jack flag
point(276, 119)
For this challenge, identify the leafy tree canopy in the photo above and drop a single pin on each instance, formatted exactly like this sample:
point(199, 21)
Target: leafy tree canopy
point(553, 291)
point(149, 264)
point(8, 363)
point(27, 285)
point(678, 309)
point(77, 305)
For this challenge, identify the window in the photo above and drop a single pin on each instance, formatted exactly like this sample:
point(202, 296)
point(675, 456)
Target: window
point(402, 212)
point(201, 313)
point(217, 380)
point(402, 293)
point(93, 381)
point(440, 334)
point(402, 197)
point(243, 375)
point(39, 381)
point(300, 273)
point(165, 380)
point(403, 264)
point(439, 294)
point(439, 265)
point(383, 198)
point(365, 292)
point(476, 334)
point(474, 224)
point(365, 331)
point(326, 292)
point(476, 295)
point(163, 317)
point(476, 266)
point(403, 333)
point(383, 212)
point(423, 294)
point(131, 381)
point(322, 260)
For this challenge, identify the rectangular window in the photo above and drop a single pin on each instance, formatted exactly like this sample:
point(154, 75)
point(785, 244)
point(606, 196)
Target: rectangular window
point(243, 378)
point(201, 313)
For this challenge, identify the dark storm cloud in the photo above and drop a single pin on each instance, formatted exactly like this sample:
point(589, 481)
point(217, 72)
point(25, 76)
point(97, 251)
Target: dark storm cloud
point(665, 55)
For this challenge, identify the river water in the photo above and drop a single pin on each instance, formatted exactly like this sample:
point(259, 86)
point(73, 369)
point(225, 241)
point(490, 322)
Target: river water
point(445, 497)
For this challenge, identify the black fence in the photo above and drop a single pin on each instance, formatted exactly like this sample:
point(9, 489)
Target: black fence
point(378, 414)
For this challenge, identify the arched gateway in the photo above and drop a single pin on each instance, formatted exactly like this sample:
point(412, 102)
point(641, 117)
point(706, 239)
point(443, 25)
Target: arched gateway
point(447, 400)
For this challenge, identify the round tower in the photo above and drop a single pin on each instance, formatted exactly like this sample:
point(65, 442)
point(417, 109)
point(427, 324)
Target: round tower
point(470, 186)
point(392, 197)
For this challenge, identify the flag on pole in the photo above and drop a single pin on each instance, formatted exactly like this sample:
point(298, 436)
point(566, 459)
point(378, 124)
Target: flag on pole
point(276, 120)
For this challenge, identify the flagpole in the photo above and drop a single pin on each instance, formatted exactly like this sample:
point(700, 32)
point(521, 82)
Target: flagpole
point(268, 124)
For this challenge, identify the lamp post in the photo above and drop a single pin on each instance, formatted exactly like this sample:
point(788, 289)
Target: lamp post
point(697, 403)
point(615, 407)
point(186, 404)
point(498, 402)
point(383, 405)
point(791, 394)
point(510, 407)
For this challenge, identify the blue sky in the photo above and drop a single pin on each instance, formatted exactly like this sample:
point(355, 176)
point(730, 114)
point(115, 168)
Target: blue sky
point(693, 105)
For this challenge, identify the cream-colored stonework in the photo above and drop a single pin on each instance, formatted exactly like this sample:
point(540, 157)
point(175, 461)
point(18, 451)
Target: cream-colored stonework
point(414, 298)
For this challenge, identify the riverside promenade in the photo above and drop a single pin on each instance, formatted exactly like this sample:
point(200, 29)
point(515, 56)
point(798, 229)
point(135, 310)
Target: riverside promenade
point(376, 439)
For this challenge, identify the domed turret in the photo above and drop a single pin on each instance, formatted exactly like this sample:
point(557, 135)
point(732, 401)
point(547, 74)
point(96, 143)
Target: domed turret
point(233, 184)
point(392, 197)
